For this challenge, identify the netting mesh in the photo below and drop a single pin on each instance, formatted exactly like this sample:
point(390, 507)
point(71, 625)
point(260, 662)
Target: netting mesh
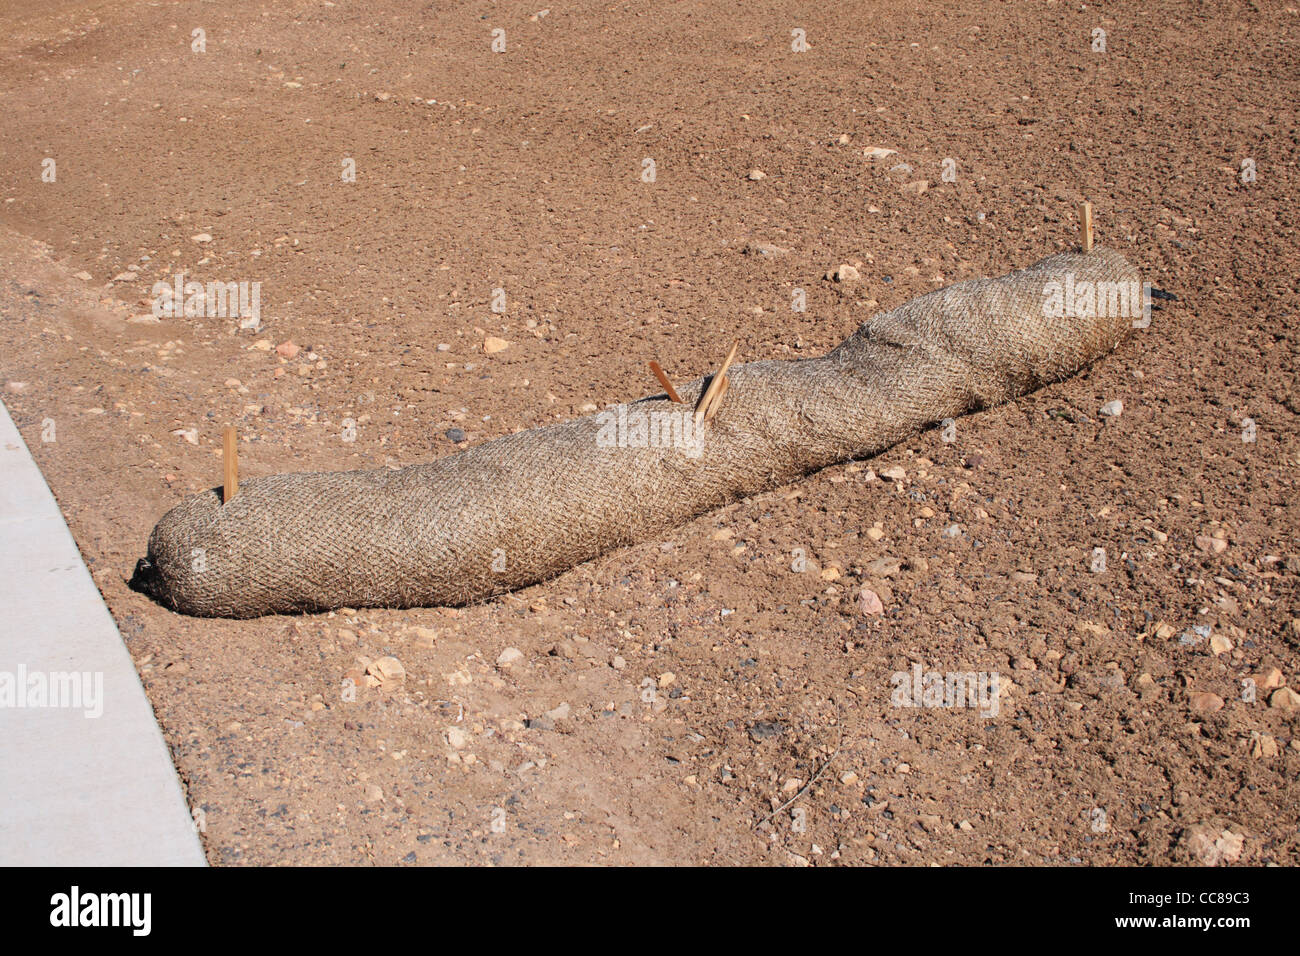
point(525, 507)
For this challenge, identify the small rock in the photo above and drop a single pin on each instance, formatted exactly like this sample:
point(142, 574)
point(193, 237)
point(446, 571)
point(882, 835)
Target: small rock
point(1271, 679)
point(756, 174)
point(1112, 409)
point(191, 435)
point(765, 249)
point(666, 679)
point(763, 729)
point(877, 153)
point(1212, 845)
point(559, 713)
point(83, 276)
point(845, 273)
point(509, 657)
point(916, 188)
point(492, 345)
point(884, 567)
point(372, 794)
point(287, 350)
point(455, 434)
point(1203, 702)
point(16, 387)
point(457, 738)
point(1285, 700)
point(875, 534)
point(848, 778)
point(1220, 645)
point(894, 473)
point(869, 603)
point(387, 670)
point(1210, 544)
point(1162, 631)
point(1262, 746)
point(202, 237)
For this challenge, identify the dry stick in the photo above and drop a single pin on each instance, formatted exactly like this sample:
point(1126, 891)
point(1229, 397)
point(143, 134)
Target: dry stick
point(807, 786)
point(666, 383)
point(230, 458)
point(717, 400)
point(1085, 225)
point(715, 385)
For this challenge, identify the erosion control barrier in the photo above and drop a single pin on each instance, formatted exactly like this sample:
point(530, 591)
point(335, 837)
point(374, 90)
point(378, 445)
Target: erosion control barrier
point(522, 508)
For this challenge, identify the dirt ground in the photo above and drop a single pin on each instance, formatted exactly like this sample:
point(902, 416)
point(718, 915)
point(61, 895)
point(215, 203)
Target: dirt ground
point(671, 696)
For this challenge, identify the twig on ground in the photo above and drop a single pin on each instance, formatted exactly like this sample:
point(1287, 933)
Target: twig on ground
point(807, 786)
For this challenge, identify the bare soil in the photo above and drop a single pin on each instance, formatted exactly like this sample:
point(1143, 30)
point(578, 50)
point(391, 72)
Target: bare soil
point(707, 681)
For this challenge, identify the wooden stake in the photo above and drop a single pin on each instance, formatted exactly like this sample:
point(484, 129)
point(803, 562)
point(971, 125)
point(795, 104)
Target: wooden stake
point(666, 383)
point(715, 386)
point(717, 400)
point(230, 458)
point(1085, 225)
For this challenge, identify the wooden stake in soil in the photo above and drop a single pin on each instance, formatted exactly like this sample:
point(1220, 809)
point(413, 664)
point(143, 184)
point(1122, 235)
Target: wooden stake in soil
point(1085, 225)
point(230, 458)
point(666, 383)
point(715, 386)
point(717, 400)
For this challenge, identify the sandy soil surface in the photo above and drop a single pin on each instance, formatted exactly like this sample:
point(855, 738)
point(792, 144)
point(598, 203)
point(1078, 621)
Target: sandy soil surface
point(668, 698)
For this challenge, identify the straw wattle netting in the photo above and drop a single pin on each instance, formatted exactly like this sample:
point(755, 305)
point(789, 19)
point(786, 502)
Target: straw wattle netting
point(525, 507)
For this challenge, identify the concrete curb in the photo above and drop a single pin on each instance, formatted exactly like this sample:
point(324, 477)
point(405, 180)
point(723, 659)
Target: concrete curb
point(75, 789)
